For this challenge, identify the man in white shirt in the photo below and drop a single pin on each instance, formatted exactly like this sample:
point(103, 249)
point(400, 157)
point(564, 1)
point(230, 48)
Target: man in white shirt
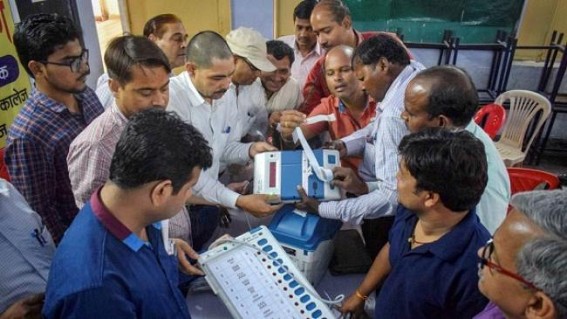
point(250, 57)
point(304, 42)
point(198, 96)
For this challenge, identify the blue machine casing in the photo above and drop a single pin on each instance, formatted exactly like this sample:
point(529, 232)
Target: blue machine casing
point(305, 232)
point(307, 239)
point(279, 173)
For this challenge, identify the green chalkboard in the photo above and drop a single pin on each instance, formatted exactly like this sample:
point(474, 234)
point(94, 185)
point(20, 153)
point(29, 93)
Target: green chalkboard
point(474, 21)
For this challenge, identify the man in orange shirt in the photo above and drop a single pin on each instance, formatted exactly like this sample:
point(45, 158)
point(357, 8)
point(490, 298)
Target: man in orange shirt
point(352, 107)
point(332, 23)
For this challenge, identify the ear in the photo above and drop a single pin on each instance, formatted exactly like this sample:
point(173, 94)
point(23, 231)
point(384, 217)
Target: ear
point(383, 64)
point(114, 86)
point(36, 68)
point(152, 37)
point(161, 192)
point(444, 121)
point(431, 199)
point(540, 306)
point(190, 67)
point(347, 22)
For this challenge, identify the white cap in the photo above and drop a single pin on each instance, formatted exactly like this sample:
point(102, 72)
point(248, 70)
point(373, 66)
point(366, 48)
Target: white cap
point(251, 45)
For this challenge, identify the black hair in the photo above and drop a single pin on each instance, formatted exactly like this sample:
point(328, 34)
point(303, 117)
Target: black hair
point(157, 145)
point(450, 163)
point(303, 9)
point(205, 46)
point(452, 93)
point(386, 46)
point(127, 51)
point(156, 25)
point(38, 35)
point(280, 50)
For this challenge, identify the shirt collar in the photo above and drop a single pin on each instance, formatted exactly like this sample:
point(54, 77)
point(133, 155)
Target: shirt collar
point(195, 97)
point(451, 245)
point(343, 108)
point(50, 103)
point(117, 113)
point(316, 49)
point(114, 226)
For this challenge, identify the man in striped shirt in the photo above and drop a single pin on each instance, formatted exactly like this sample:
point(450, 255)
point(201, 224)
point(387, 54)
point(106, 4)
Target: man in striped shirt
point(384, 67)
point(58, 109)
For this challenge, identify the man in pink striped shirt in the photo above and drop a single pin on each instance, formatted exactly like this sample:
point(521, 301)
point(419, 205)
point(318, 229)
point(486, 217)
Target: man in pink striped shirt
point(139, 80)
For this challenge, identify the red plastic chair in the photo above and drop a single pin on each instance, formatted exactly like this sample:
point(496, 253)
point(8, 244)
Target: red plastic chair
point(3, 168)
point(528, 179)
point(491, 117)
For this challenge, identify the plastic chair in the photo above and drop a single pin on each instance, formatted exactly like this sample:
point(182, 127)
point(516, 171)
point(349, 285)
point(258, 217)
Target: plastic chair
point(528, 179)
point(491, 117)
point(3, 168)
point(524, 106)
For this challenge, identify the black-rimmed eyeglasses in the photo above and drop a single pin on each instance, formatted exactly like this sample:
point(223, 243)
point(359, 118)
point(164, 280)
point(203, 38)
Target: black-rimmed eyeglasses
point(73, 62)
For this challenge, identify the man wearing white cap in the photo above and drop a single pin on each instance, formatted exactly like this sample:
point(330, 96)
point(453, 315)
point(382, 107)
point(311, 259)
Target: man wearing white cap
point(199, 96)
point(250, 55)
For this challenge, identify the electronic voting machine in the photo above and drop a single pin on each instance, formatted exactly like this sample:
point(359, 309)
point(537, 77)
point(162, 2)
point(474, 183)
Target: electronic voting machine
point(279, 173)
point(255, 278)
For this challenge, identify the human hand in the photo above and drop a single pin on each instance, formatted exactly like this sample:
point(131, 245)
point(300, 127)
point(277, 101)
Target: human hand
point(289, 120)
point(353, 305)
point(259, 204)
point(275, 118)
point(221, 240)
point(184, 252)
point(308, 204)
point(28, 307)
point(239, 187)
point(338, 145)
point(260, 147)
point(348, 180)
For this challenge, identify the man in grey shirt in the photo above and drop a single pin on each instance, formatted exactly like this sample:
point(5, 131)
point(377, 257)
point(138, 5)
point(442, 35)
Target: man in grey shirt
point(26, 248)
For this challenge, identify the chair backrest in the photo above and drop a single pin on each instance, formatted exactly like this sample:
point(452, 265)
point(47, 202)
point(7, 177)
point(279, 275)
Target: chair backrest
point(528, 179)
point(491, 117)
point(3, 168)
point(524, 106)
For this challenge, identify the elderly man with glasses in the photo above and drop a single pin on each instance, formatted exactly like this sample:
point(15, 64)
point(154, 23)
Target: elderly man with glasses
point(523, 269)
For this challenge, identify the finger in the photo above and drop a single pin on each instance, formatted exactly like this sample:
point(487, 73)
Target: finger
point(35, 299)
point(184, 248)
point(339, 183)
point(191, 270)
point(274, 208)
point(302, 193)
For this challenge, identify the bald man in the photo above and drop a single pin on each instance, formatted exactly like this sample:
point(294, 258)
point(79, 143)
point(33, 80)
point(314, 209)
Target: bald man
point(352, 107)
point(332, 23)
point(446, 96)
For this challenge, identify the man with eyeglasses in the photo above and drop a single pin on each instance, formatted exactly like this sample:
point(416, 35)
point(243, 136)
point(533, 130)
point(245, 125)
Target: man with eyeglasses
point(58, 109)
point(428, 268)
point(523, 269)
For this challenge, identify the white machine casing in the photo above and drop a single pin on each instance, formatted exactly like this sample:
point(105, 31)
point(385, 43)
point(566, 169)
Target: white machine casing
point(260, 285)
point(279, 173)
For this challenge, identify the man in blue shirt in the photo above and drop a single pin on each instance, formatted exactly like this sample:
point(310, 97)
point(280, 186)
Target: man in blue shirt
point(112, 262)
point(428, 268)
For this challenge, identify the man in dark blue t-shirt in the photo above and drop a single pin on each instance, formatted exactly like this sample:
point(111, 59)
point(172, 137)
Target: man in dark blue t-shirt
point(112, 262)
point(428, 268)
